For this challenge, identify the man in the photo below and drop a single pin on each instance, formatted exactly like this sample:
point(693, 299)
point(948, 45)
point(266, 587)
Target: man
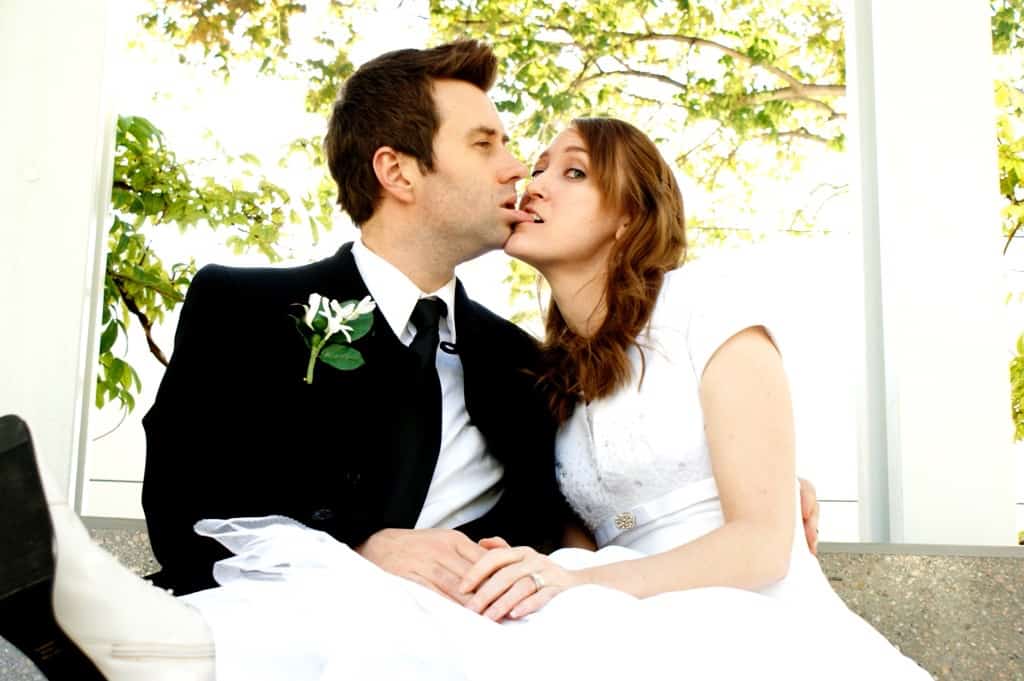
point(420, 158)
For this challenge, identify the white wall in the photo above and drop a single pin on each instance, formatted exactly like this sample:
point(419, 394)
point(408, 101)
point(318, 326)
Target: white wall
point(56, 146)
point(937, 428)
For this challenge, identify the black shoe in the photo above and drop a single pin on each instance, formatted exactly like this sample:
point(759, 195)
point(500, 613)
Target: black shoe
point(27, 568)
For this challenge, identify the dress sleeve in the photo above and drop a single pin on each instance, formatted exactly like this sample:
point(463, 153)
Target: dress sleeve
point(715, 301)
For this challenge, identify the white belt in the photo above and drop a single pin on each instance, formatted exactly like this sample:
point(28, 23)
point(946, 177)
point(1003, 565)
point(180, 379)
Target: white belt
point(675, 500)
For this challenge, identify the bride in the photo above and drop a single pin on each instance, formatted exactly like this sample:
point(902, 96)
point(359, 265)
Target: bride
point(675, 452)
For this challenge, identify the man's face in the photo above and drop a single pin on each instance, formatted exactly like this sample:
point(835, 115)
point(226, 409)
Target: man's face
point(470, 198)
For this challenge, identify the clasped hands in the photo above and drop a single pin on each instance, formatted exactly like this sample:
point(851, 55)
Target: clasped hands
point(489, 577)
point(493, 578)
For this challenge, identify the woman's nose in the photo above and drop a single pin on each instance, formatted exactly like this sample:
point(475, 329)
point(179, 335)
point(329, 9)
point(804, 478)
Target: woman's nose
point(535, 188)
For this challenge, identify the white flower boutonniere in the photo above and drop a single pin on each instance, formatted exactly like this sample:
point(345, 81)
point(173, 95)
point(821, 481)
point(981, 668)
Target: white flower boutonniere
point(328, 327)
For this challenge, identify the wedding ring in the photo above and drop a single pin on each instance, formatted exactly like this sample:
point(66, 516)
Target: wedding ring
point(538, 581)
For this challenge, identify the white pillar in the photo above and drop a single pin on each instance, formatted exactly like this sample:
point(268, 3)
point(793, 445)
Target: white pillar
point(937, 417)
point(56, 146)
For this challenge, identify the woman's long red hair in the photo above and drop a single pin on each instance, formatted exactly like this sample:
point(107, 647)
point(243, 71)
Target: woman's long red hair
point(634, 179)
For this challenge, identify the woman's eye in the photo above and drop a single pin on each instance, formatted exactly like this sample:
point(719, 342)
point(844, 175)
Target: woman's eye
point(483, 144)
point(575, 174)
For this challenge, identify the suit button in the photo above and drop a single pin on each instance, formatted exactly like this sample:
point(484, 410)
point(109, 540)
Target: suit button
point(322, 515)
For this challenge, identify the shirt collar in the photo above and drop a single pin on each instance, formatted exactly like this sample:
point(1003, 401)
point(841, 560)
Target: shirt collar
point(395, 294)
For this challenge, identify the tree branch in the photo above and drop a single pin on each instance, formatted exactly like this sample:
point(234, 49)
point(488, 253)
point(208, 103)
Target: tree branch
point(169, 293)
point(638, 73)
point(143, 319)
point(694, 41)
point(799, 133)
point(806, 93)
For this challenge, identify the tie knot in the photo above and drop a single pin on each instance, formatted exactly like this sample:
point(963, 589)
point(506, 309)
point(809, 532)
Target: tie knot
point(428, 313)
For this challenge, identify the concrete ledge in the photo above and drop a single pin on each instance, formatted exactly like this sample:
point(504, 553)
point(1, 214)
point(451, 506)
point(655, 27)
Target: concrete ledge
point(923, 550)
point(957, 610)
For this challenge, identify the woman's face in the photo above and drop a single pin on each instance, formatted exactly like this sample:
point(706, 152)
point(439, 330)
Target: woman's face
point(571, 228)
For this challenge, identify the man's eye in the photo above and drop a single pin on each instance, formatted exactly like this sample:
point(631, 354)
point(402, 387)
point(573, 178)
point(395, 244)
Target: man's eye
point(536, 172)
point(575, 174)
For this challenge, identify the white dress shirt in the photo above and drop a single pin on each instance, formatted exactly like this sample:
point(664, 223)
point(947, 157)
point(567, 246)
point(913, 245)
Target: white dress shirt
point(467, 479)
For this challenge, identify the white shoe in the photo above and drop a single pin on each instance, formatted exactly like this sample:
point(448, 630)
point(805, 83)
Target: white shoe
point(90, 619)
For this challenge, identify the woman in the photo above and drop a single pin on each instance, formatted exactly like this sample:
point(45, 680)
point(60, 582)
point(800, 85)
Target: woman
point(675, 450)
point(676, 437)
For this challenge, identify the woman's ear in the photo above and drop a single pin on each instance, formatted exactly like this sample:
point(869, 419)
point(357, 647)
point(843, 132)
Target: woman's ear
point(623, 226)
point(392, 170)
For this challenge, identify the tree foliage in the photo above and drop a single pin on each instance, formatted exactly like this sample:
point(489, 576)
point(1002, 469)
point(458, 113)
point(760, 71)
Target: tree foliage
point(734, 91)
point(153, 190)
point(1008, 43)
point(708, 79)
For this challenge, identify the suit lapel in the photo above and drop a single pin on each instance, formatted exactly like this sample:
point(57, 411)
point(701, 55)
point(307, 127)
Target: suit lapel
point(390, 385)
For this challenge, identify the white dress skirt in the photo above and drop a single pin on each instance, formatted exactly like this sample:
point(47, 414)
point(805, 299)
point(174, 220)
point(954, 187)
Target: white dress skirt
point(294, 604)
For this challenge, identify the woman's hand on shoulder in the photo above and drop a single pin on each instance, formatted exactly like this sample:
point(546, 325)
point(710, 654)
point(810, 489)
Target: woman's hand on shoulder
point(514, 581)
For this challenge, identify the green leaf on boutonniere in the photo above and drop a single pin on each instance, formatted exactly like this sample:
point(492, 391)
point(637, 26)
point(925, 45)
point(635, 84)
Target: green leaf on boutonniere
point(357, 328)
point(342, 357)
point(319, 323)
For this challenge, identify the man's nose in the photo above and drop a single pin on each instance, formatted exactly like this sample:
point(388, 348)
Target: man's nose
point(513, 171)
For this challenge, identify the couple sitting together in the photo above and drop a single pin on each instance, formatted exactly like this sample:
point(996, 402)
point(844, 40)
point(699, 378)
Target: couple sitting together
point(440, 496)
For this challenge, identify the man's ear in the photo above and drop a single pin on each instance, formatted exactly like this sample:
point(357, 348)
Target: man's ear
point(396, 173)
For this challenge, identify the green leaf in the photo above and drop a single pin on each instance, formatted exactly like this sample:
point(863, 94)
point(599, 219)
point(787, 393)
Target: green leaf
point(108, 338)
point(320, 322)
point(116, 371)
point(342, 357)
point(361, 325)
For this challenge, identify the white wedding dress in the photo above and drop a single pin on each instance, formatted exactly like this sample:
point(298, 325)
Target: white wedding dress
point(295, 604)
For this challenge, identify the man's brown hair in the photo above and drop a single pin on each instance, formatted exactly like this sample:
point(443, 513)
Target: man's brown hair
point(389, 102)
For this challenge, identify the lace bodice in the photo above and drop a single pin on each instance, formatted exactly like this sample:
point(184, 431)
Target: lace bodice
point(648, 438)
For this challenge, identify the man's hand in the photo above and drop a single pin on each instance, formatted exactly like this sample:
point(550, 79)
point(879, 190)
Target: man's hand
point(809, 510)
point(437, 559)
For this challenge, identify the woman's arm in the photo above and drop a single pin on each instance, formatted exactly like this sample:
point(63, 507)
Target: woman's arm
point(749, 425)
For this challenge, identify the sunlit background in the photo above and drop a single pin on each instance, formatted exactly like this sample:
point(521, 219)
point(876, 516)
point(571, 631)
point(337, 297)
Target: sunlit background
point(780, 207)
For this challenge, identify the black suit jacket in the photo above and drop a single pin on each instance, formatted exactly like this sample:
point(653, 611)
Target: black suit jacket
point(235, 431)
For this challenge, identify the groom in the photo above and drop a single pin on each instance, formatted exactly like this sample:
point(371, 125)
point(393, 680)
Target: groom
point(418, 453)
point(413, 439)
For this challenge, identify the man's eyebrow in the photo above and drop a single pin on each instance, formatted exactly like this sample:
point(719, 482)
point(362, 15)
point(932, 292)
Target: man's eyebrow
point(489, 131)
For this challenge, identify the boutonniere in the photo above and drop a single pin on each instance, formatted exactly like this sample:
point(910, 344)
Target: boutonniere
point(328, 327)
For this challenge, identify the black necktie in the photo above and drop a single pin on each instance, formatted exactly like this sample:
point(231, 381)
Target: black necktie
point(425, 317)
point(424, 428)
